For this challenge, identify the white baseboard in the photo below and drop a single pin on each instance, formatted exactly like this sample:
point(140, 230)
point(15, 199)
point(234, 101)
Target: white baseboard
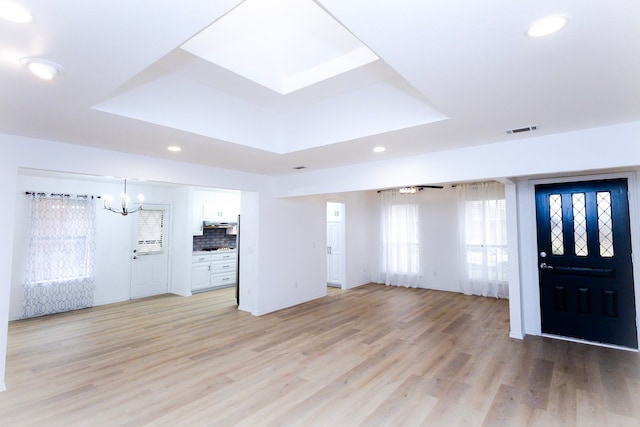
point(286, 305)
point(181, 294)
point(517, 335)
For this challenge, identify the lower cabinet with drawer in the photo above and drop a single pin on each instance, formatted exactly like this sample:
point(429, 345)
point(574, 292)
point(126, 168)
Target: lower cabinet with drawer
point(213, 271)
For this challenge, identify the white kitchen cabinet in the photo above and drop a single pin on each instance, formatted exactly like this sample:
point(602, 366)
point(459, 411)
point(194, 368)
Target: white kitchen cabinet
point(215, 205)
point(223, 207)
point(214, 270)
point(221, 212)
point(200, 272)
point(197, 216)
point(223, 268)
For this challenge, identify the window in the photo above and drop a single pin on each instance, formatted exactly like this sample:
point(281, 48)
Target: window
point(485, 236)
point(150, 231)
point(482, 234)
point(59, 273)
point(400, 242)
point(61, 242)
point(402, 239)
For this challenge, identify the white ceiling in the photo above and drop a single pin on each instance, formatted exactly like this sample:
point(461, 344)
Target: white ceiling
point(450, 74)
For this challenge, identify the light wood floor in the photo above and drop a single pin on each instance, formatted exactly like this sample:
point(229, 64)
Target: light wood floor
point(372, 356)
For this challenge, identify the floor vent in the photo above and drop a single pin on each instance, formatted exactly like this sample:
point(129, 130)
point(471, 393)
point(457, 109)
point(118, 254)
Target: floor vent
point(520, 130)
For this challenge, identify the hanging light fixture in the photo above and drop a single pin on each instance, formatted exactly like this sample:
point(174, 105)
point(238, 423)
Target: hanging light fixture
point(408, 190)
point(124, 211)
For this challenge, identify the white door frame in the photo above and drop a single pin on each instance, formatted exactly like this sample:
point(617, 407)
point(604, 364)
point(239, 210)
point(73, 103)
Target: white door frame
point(529, 254)
point(342, 236)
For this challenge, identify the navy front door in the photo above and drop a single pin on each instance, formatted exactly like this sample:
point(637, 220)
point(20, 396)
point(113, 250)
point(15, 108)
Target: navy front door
point(584, 261)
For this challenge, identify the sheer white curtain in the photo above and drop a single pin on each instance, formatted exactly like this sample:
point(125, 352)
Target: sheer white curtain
point(482, 254)
point(60, 261)
point(400, 245)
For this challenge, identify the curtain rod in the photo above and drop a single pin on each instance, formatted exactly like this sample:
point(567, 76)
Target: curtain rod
point(61, 195)
point(475, 183)
point(418, 187)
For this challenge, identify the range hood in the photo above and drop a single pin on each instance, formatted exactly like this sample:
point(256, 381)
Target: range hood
point(218, 224)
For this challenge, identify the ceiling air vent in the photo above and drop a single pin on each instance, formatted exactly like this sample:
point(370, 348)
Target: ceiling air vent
point(520, 130)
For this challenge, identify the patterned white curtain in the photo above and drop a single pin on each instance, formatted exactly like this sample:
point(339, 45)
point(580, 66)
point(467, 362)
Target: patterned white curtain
point(400, 243)
point(482, 254)
point(61, 251)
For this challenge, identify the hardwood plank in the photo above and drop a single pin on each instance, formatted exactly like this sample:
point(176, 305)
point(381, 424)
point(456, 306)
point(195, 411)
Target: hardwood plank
point(375, 355)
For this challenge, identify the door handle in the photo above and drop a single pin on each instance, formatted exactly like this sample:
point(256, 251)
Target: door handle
point(544, 266)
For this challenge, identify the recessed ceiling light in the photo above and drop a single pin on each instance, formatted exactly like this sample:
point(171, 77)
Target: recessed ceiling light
point(174, 148)
point(379, 149)
point(14, 12)
point(546, 26)
point(42, 68)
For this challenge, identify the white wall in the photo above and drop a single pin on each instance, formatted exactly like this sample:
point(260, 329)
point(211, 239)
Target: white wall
point(181, 241)
point(598, 148)
point(114, 237)
point(439, 232)
point(8, 176)
point(249, 239)
point(292, 261)
point(438, 235)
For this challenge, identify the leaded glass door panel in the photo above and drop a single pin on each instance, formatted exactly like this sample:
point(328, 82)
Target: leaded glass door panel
point(584, 259)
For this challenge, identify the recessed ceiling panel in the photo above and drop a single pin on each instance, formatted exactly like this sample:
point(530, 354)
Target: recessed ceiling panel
point(284, 45)
point(200, 108)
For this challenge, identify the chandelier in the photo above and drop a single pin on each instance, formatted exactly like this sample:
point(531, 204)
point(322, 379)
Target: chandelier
point(124, 211)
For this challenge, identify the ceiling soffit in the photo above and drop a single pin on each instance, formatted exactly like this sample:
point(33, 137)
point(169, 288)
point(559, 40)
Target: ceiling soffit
point(206, 97)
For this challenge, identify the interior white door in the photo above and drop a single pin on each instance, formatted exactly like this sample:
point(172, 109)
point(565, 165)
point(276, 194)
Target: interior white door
point(335, 244)
point(150, 258)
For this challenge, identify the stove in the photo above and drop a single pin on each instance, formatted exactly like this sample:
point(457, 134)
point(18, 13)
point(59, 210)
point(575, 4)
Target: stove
point(218, 249)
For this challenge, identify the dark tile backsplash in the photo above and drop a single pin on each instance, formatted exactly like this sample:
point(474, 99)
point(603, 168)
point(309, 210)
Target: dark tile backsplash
point(214, 238)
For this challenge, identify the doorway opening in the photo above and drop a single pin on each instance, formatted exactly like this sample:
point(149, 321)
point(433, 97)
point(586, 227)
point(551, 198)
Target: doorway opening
point(336, 265)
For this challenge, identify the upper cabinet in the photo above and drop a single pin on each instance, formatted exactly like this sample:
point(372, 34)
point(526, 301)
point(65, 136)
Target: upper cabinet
point(214, 205)
point(224, 209)
point(197, 216)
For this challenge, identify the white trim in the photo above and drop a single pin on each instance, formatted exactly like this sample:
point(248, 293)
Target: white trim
point(343, 241)
point(516, 335)
point(289, 304)
point(531, 256)
point(513, 247)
